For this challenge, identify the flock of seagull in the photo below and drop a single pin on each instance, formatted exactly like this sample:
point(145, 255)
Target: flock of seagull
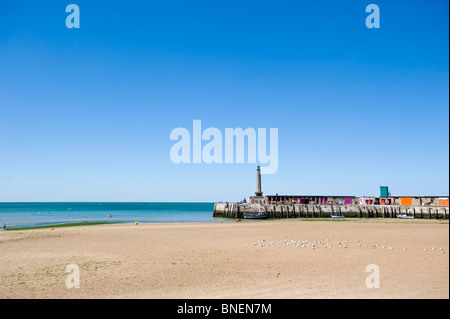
point(326, 244)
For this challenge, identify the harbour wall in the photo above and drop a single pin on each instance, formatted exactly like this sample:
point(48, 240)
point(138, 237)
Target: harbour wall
point(236, 210)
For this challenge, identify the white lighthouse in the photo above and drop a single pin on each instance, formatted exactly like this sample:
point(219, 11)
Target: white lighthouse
point(258, 198)
point(258, 182)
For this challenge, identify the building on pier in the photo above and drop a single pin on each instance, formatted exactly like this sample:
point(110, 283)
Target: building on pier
point(385, 198)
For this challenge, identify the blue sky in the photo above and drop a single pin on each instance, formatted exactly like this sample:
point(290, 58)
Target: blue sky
point(86, 114)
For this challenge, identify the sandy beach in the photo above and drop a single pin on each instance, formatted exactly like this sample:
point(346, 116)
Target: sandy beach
point(230, 260)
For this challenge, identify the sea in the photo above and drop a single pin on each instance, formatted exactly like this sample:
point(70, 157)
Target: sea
point(41, 214)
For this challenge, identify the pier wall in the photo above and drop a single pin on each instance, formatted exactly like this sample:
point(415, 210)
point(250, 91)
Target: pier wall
point(236, 210)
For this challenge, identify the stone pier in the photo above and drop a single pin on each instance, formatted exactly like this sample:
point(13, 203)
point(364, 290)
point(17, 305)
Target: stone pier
point(236, 210)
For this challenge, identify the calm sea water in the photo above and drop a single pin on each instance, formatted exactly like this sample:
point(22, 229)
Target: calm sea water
point(32, 214)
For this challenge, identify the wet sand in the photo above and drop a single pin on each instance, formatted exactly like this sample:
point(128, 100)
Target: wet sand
point(227, 260)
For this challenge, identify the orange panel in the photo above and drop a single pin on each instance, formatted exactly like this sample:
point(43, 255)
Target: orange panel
point(406, 201)
point(443, 202)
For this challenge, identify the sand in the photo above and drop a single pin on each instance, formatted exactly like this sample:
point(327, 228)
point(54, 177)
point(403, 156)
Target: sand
point(226, 260)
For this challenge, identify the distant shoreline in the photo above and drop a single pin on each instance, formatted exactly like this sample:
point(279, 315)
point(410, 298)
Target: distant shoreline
point(53, 213)
point(59, 225)
point(226, 220)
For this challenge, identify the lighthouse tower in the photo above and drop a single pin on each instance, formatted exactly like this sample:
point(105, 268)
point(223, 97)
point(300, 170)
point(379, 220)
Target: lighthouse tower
point(258, 198)
point(258, 181)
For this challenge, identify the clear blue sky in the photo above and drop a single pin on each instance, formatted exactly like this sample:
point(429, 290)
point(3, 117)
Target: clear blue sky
point(86, 114)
